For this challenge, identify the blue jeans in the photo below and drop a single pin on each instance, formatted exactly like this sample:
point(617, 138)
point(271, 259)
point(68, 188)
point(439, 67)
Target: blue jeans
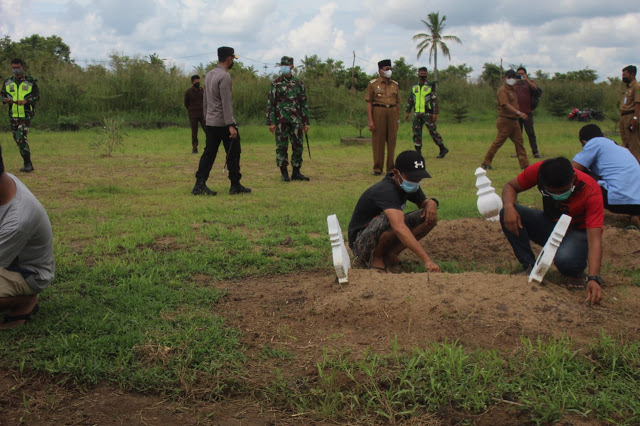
point(571, 257)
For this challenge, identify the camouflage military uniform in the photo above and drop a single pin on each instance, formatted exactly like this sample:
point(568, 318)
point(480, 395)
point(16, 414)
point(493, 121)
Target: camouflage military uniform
point(20, 115)
point(423, 113)
point(287, 109)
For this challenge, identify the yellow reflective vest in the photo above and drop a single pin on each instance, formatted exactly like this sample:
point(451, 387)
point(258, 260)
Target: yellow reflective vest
point(19, 92)
point(422, 98)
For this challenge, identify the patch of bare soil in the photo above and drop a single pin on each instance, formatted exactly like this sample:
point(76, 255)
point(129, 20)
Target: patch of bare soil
point(305, 314)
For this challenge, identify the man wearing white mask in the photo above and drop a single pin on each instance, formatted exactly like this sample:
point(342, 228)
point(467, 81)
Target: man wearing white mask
point(288, 118)
point(507, 124)
point(383, 111)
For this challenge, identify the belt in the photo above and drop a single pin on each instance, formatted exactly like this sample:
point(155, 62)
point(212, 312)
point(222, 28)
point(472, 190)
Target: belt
point(508, 118)
point(384, 106)
point(627, 112)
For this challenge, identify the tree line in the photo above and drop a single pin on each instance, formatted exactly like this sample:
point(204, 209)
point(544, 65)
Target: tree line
point(144, 90)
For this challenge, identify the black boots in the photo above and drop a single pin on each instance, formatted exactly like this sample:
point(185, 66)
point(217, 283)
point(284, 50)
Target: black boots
point(201, 188)
point(238, 189)
point(296, 175)
point(285, 174)
point(443, 152)
point(28, 167)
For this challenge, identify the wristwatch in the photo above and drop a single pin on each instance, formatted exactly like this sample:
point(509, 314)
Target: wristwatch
point(596, 278)
point(635, 118)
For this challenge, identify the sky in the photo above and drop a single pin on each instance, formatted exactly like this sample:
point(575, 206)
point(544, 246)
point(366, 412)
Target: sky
point(551, 35)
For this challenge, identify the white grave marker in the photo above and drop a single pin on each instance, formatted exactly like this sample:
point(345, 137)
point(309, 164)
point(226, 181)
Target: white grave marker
point(489, 203)
point(545, 258)
point(341, 260)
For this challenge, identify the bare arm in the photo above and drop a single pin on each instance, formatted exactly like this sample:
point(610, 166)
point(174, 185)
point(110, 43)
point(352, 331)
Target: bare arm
point(512, 220)
point(406, 237)
point(578, 166)
point(594, 257)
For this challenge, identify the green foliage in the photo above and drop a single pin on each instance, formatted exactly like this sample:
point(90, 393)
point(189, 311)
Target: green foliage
point(455, 73)
point(492, 75)
point(585, 75)
point(433, 39)
point(110, 137)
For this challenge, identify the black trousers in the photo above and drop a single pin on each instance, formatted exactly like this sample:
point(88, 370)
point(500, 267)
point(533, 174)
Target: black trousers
point(531, 133)
point(215, 135)
point(194, 121)
point(630, 209)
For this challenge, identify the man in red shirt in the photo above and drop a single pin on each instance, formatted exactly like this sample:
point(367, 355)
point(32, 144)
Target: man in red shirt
point(564, 191)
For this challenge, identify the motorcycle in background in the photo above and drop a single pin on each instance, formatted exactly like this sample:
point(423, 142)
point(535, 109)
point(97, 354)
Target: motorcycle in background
point(586, 114)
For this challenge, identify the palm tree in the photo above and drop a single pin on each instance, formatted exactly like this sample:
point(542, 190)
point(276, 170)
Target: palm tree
point(434, 40)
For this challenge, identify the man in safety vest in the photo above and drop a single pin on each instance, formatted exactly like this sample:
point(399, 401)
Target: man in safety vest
point(423, 100)
point(21, 93)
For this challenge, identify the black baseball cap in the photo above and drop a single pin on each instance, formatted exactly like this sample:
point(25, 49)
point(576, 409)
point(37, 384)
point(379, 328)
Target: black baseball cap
point(411, 163)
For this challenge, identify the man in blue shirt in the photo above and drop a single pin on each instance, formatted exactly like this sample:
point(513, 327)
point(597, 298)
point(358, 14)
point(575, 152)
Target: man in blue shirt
point(615, 169)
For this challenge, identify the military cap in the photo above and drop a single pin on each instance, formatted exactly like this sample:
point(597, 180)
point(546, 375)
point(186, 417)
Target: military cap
point(286, 60)
point(384, 63)
point(224, 52)
point(510, 74)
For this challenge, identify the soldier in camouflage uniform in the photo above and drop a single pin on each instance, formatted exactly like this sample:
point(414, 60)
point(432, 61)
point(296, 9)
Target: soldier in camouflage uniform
point(288, 118)
point(21, 93)
point(423, 100)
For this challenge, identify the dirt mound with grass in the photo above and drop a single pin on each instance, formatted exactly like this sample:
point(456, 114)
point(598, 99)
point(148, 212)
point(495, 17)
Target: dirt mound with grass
point(287, 322)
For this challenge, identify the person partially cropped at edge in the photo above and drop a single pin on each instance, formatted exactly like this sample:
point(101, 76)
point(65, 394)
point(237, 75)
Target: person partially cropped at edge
point(379, 230)
point(564, 191)
point(26, 250)
point(616, 170)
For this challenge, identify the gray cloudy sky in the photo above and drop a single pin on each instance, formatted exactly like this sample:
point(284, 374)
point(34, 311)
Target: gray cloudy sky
point(552, 35)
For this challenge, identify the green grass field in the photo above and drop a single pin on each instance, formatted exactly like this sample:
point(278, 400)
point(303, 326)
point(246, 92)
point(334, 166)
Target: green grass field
point(130, 241)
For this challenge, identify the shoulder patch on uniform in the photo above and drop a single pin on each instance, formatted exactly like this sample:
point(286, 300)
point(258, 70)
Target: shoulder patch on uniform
point(395, 82)
point(373, 81)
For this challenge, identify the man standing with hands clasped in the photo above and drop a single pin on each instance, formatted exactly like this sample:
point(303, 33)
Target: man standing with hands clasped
point(288, 118)
point(383, 110)
point(221, 126)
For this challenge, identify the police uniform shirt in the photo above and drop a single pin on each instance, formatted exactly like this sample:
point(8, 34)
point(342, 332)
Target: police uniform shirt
point(507, 96)
point(631, 98)
point(381, 92)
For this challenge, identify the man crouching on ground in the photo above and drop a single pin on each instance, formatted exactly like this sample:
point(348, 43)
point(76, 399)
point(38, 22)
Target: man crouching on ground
point(379, 230)
point(564, 191)
point(26, 250)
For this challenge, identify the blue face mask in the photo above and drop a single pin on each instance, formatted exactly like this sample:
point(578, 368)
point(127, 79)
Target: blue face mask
point(409, 187)
point(285, 70)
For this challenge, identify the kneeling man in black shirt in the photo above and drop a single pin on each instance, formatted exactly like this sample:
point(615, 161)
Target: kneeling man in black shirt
point(379, 230)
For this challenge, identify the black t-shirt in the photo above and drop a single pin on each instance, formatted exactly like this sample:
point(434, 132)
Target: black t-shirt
point(381, 196)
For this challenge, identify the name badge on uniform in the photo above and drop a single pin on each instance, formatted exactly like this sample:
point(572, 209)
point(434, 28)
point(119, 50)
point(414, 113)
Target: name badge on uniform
point(25, 87)
point(625, 100)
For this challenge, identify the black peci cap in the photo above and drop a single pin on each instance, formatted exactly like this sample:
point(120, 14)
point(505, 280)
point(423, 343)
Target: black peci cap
point(384, 63)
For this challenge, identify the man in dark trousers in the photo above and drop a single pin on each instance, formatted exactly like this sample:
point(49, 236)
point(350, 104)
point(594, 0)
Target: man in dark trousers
point(525, 91)
point(221, 126)
point(193, 99)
